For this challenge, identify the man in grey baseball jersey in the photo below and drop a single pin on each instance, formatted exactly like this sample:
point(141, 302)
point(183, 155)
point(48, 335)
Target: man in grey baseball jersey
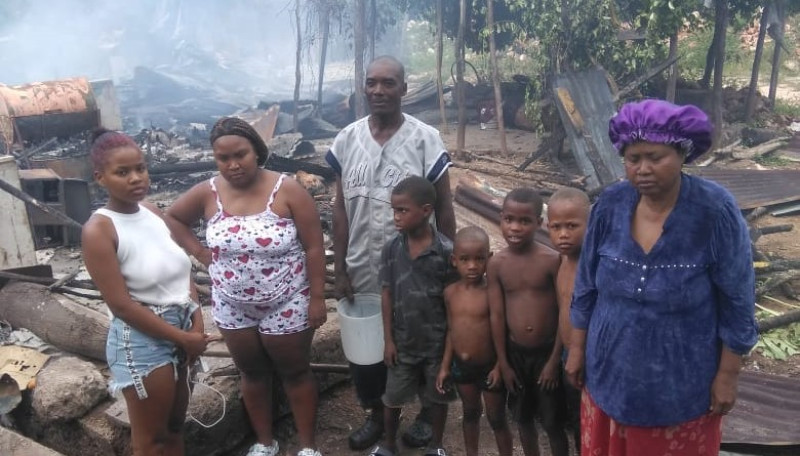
point(370, 156)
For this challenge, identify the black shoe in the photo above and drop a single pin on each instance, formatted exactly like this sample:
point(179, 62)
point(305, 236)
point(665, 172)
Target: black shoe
point(367, 435)
point(419, 434)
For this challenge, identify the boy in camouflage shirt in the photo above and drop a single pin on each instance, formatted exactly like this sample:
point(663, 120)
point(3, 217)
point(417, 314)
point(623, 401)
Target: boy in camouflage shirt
point(415, 268)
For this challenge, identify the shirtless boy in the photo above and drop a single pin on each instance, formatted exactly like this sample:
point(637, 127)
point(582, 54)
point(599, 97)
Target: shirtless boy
point(567, 214)
point(469, 358)
point(524, 317)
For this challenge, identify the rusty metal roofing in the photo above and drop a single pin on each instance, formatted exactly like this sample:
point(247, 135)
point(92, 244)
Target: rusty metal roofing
point(767, 413)
point(585, 104)
point(753, 187)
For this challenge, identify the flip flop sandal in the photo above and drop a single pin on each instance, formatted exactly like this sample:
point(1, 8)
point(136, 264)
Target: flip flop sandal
point(381, 451)
point(418, 434)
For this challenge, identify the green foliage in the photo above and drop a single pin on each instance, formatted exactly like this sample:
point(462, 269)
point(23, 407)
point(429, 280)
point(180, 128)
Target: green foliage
point(772, 161)
point(420, 56)
point(780, 343)
point(788, 108)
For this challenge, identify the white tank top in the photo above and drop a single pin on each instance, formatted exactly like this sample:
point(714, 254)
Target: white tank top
point(156, 270)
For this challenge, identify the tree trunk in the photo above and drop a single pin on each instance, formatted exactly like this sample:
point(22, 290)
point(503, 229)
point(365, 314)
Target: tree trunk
point(373, 28)
point(325, 27)
point(56, 319)
point(776, 55)
point(720, 26)
point(439, 58)
point(460, 95)
point(498, 94)
point(358, 47)
point(749, 106)
point(672, 82)
point(710, 60)
point(297, 74)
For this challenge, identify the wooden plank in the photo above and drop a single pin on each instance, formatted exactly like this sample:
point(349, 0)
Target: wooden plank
point(16, 243)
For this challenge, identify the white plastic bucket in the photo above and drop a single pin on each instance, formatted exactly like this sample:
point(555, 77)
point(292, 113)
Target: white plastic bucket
point(361, 328)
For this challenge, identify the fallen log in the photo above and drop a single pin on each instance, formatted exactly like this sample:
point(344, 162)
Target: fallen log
point(775, 281)
point(722, 152)
point(768, 324)
point(756, 233)
point(55, 318)
point(762, 149)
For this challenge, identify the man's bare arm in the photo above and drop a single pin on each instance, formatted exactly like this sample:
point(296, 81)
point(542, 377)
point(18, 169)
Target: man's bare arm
point(445, 216)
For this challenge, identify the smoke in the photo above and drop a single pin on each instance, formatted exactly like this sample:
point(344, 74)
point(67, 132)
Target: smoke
point(231, 42)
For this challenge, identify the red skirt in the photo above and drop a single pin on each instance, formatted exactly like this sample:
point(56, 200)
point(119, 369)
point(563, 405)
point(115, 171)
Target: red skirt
point(601, 435)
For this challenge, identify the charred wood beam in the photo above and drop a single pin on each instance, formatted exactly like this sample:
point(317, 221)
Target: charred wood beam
point(552, 142)
point(24, 155)
point(756, 214)
point(46, 280)
point(63, 281)
point(775, 281)
point(650, 74)
point(31, 201)
point(477, 206)
point(768, 324)
point(756, 233)
point(762, 149)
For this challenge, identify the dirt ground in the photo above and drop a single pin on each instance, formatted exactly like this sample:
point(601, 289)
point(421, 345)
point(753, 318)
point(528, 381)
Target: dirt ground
point(339, 412)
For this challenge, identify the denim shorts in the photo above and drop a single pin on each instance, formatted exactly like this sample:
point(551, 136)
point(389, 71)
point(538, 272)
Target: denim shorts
point(133, 355)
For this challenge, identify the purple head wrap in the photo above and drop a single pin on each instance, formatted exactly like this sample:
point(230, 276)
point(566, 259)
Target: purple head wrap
point(658, 121)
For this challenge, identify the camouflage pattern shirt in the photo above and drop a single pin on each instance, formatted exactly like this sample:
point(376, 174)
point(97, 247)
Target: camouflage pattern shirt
point(419, 317)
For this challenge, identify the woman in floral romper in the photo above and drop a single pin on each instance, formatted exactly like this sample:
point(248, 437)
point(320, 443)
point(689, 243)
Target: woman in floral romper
point(267, 266)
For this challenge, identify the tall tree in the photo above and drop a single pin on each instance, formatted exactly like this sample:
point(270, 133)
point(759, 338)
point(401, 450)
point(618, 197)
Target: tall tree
point(749, 106)
point(498, 94)
point(460, 95)
point(439, 57)
point(777, 35)
point(298, 76)
point(720, 26)
point(373, 27)
point(672, 81)
point(323, 15)
point(358, 47)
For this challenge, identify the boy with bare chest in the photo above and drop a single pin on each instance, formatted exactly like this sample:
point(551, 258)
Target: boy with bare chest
point(469, 358)
point(567, 215)
point(524, 318)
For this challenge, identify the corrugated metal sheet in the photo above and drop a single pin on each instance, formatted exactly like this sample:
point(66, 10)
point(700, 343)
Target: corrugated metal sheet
point(752, 187)
point(766, 414)
point(585, 105)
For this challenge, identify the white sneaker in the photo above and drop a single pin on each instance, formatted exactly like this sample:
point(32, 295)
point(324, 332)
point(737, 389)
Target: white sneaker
point(308, 452)
point(259, 449)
